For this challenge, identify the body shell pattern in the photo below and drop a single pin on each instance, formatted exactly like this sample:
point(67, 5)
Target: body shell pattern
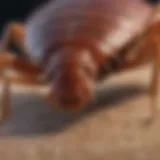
point(107, 25)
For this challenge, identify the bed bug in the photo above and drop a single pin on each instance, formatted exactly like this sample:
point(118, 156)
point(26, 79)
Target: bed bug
point(73, 44)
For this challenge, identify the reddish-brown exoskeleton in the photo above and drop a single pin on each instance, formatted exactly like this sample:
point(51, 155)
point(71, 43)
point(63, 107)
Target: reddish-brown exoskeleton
point(69, 44)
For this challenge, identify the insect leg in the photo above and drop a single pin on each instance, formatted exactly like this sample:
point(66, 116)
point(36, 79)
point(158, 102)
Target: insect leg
point(5, 60)
point(154, 86)
point(149, 49)
point(5, 101)
point(23, 76)
point(14, 32)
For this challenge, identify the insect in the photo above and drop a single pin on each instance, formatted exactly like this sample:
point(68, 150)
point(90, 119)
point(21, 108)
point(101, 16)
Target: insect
point(73, 44)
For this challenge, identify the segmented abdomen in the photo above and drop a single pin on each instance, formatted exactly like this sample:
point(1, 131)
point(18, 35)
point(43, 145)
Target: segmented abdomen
point(107, 25)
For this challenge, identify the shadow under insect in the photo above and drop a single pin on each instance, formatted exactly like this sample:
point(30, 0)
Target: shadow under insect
point(31, 117)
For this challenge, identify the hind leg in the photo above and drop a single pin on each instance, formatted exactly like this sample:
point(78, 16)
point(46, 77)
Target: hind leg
point(13, 32)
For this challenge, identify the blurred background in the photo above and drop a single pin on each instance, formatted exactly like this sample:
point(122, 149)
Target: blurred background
point(16, 10)
point(110, 128)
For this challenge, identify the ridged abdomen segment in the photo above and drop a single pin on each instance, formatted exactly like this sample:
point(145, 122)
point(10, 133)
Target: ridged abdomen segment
point(105, 24)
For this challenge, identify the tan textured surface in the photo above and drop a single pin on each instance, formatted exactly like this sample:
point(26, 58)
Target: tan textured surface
point(110, 129)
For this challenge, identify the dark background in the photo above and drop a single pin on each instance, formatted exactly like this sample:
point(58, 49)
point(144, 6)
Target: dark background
point(16, 10)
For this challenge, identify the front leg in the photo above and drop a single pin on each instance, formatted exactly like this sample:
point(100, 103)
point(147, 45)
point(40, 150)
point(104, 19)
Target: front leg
point(5, 60)
point(149, 50)
point(5, 100)
point(26, 73)
point(154, 86)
